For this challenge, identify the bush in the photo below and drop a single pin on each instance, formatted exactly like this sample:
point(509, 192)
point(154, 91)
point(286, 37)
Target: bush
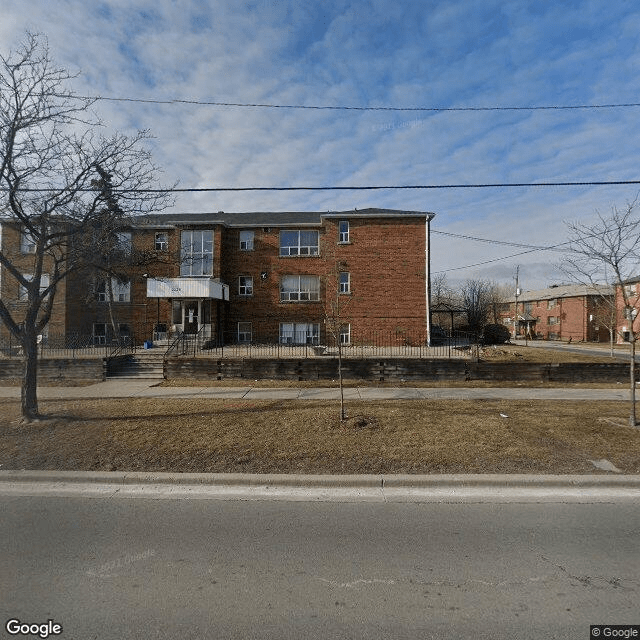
point(495, 334)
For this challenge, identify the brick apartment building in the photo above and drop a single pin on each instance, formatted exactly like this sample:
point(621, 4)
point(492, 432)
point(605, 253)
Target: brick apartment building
point(249, 277)
point(625, 321)
point(563, 312)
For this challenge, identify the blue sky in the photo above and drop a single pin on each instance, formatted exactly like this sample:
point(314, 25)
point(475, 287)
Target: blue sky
point(402, 53)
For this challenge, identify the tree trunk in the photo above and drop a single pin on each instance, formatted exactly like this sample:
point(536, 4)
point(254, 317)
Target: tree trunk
point(632, 370)
point(29, 396)
point(343, 415)
point(611, 337)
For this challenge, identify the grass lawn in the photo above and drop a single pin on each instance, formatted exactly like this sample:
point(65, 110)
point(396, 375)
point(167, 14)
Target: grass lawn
point(407, 436)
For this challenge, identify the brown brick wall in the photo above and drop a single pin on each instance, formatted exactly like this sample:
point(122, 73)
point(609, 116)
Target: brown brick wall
point(386, 262)
point(385, 258)
point(9, 287)
point(577, 318)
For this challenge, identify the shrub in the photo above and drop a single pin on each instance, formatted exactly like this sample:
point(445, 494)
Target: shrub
point(495, 334)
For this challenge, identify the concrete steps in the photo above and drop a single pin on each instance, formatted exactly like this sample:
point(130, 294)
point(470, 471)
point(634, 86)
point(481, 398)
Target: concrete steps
point(145, 364)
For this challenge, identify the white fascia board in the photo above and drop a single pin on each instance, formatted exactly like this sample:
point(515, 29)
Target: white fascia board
point(187, 288)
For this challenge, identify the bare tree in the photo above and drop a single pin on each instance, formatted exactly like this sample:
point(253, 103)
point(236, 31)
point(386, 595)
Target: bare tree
point(50, 158)
point(334, 320)
point(480, 299)
point(609, 251)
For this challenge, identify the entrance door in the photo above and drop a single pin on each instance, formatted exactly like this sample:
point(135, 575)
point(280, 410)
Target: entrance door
point(191, 316)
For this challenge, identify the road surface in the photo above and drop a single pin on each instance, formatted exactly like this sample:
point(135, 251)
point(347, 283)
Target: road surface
point(181, 569)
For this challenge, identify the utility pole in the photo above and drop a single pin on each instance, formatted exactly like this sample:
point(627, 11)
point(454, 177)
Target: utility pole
point(515, 315)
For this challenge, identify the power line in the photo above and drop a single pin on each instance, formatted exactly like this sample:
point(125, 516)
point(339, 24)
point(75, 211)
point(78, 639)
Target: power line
point(494, 185)
point(498, 242)
point(258, 105)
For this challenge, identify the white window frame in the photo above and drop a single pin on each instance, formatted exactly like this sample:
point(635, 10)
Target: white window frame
point(344, 334)
point(297, 248)
point(245, 332)
point(161, 241)
point(343, 231)
point(299, 288)
point(551, 304)
point(27, 242)
point(99, 338)
point(245, 285)
point(299, 333)
point(121, 290)
point(345, 282)
point(196, 252)
point(246, 240)
point(23, 294)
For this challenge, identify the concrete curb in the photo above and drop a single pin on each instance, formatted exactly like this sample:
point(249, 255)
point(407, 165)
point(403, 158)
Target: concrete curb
point(333, 488)
point(321, 480)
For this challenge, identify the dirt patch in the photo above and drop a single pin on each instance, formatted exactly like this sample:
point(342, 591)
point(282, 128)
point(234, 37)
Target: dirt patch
point(407, 436)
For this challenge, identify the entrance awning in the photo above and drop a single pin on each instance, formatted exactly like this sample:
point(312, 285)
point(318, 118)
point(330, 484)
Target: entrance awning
point(187, 288)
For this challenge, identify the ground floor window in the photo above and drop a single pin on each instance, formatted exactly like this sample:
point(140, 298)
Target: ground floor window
point(244, 332)
point(345, 334)
point(99, 333)
point(299, 333)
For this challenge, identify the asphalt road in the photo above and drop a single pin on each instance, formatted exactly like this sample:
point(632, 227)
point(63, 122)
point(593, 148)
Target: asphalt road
point(181, 569)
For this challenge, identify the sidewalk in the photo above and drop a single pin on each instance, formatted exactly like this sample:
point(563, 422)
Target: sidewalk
point(148, 389)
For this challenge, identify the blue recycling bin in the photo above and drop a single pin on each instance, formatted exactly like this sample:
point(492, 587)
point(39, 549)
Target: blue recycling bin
point(148, 344)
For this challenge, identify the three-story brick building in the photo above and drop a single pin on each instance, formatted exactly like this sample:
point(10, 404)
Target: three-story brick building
point(258, 277)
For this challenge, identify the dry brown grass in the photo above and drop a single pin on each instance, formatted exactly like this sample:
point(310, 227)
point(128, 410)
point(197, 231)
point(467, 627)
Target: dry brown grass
point(307, 436)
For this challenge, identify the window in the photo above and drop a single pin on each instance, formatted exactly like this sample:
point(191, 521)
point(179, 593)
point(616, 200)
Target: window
point(343, 231)
point(99, 333)
point(196, 254)
point(552, 320)
point(23, 294)
point(345, 282)
point(299, 333)
point(630, 289)
point(162, 241)
point(299, 243)
point(244, 332)
point(299, 288)
point(345, 334)
point(121, 290)
point(551, 304)
point(27, 243)
point(245, 286)
point(246, 241)
point(123, 241)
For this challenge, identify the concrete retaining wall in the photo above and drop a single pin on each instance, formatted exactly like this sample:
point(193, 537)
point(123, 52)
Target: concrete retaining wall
point(393, 369)
point(58, 369)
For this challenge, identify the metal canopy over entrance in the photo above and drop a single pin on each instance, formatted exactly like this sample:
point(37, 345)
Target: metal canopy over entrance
point(187, 288)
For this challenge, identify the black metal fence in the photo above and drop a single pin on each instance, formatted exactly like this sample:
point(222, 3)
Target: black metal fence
point(72, 346)
point(370, 345)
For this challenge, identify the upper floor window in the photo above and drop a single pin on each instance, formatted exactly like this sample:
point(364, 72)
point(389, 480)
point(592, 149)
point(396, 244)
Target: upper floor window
point(196, 253)
point(27, 243)
point(300, 288)
point(299, 243)
point(246, 240)
point(245, 286)
point(345, 334)
point(630, 289)
point(162, 241)
point(23, 294)
point(345, 282)
point(551, 303)
point(121, 290)
point(343, 231)
point(123, 240)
